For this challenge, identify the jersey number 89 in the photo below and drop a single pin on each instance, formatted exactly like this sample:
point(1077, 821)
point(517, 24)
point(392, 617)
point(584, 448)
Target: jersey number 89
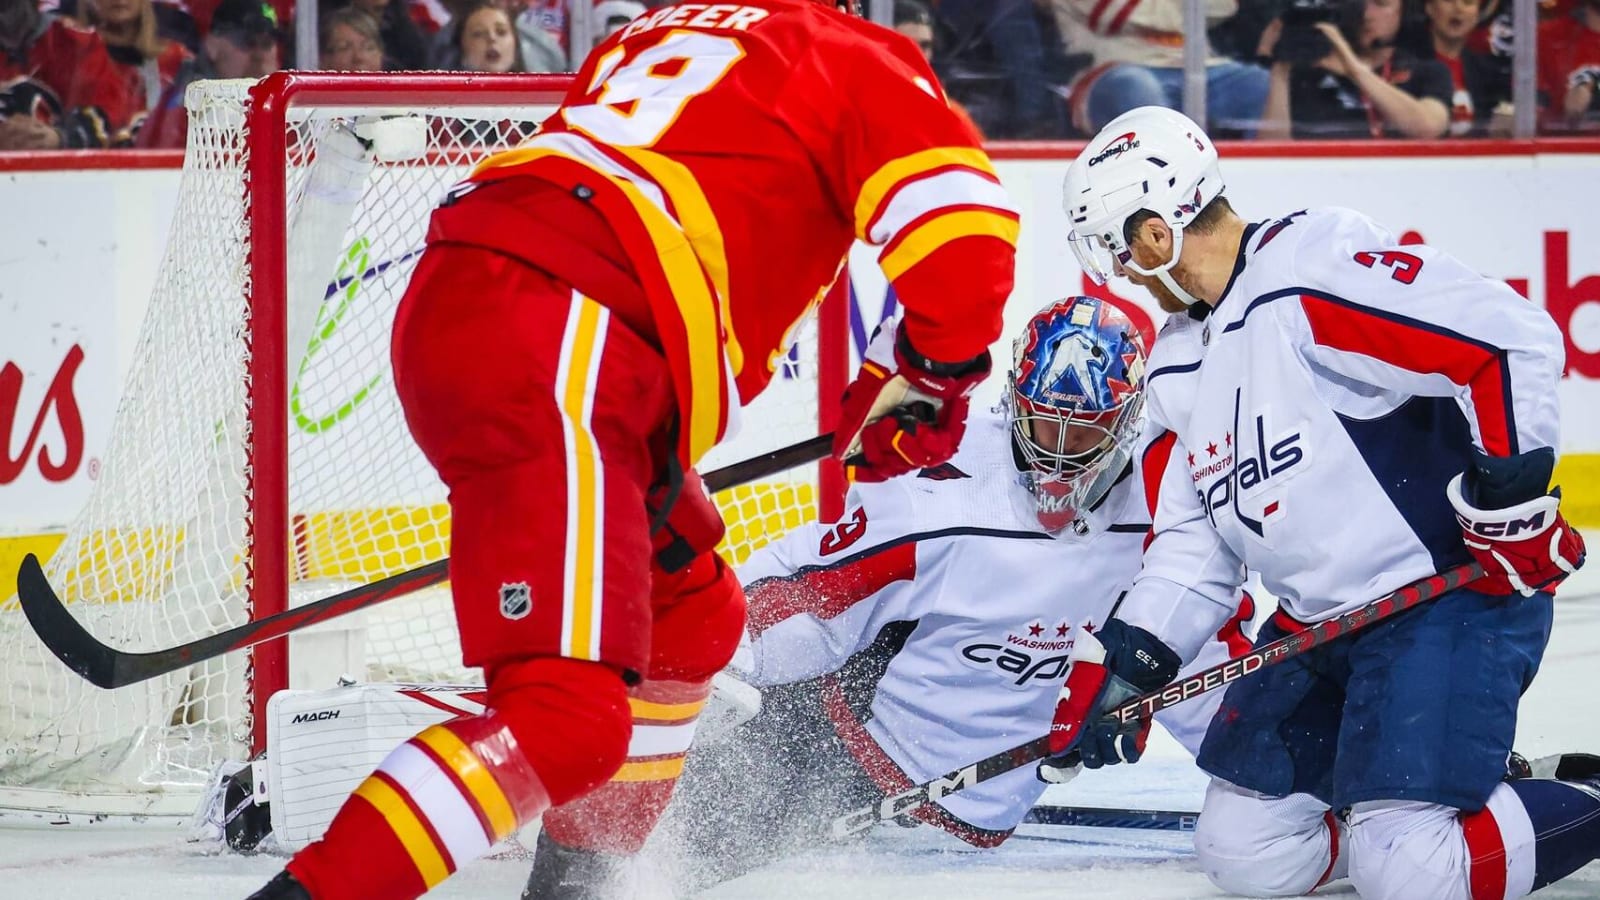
point(640, 99)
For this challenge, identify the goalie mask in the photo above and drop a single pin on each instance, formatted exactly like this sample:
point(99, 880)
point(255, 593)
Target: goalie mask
point(1076, 390)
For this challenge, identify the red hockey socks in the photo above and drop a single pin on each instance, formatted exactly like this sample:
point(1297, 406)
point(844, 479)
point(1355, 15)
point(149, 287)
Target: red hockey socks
point(618, 817)
point(699, 617)
point(555, 729)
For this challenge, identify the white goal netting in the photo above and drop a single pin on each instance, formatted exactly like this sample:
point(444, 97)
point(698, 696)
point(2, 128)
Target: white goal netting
point(170, 546)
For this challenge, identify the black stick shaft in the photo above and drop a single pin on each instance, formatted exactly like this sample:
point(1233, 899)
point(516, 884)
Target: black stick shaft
point(108, 667)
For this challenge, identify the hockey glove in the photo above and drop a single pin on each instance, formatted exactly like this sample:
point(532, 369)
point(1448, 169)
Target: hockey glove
point(903, 411)
point(1107, 669)
point(1512, 526)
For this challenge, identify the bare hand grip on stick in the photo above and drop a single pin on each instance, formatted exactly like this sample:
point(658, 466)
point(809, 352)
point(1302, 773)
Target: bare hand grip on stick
point(108, 667)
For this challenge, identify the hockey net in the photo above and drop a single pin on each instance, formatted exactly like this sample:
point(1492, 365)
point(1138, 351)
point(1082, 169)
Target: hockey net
point(259, 457)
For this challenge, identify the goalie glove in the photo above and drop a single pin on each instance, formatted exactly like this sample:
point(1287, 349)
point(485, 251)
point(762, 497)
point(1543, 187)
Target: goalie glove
point(903, 411)
point(1512, 526)
point(1106, 670)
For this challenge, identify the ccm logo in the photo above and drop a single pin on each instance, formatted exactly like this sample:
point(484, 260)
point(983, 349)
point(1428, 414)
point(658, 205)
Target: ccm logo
point(897, 805)
point(1528, 527)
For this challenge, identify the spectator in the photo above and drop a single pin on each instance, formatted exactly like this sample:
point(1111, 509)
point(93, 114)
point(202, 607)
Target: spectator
point(1012, 88)
point(611, 15)
point(541, 28)
point(912, 19)
point(487, 42)
point(350, 41)
point(202, 12)
point(1569, 67)
point(58, 86)
point(431, 17)
point(244, 42)
point(147, 61)
point(1137, 48)
point(404, 45)
point(1481, 98)
point(1323, 87)
point(1239, 35)
point(441, 46)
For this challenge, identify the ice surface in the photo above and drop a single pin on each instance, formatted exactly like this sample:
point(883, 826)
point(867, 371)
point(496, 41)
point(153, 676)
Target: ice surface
point(152, 860)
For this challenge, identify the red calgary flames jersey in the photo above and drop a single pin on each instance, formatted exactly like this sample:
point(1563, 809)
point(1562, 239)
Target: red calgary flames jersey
point(736, 150)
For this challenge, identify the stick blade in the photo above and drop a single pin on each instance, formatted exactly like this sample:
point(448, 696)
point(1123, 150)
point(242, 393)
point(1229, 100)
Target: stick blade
point(60, 630)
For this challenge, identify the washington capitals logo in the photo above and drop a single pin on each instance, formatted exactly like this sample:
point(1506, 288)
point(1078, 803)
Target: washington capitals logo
point(1118, 146)
point(1190, 208)
point(1251, 487)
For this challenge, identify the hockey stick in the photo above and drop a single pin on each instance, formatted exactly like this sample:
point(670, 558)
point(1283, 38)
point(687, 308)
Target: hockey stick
point(108, 667)
point(1232, 670)
point(1100, 817)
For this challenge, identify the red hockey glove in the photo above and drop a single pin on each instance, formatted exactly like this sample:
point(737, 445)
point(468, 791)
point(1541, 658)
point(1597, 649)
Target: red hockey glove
point(1524, 548)
point(904, 411)
point(1107, 669)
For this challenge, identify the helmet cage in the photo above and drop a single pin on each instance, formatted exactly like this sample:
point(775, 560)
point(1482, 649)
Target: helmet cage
point(1062, 482)
point(1075, 397)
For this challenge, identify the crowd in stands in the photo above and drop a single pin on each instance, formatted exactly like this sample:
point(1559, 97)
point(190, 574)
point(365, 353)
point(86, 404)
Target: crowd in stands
point(111, 73)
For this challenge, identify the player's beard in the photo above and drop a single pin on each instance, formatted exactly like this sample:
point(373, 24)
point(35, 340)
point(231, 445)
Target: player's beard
point(1165, 298)
point(1148, 257)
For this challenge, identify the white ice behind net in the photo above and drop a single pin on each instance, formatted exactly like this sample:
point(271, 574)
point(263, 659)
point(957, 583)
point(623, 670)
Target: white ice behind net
point(157, 557)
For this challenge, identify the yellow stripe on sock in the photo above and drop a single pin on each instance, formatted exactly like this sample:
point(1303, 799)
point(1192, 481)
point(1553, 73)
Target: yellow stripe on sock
point(665, 712)
point(652, 770)
point(475, 775)
point(408, 828)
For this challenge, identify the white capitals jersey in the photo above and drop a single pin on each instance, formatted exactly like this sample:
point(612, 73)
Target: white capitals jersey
point(1306, 428)
point(992, 604)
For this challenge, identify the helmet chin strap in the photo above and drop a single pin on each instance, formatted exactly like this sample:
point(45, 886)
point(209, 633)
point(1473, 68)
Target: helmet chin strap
point(1165, 275)
point(1163, 272)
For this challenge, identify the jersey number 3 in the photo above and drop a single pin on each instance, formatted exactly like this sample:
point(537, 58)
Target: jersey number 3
point(1405, 266)
point(636, 96)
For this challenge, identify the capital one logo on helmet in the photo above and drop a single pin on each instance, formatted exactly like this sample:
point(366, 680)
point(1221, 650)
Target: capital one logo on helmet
point(1119, 145)
point(1270, 464)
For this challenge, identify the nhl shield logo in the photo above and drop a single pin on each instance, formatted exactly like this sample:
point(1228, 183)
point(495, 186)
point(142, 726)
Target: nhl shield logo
point(516, 600)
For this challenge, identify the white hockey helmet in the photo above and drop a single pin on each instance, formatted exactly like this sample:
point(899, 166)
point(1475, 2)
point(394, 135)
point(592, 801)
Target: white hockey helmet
point(1147, 158)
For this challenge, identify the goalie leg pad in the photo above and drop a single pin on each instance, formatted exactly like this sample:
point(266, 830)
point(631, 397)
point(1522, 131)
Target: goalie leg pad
point(451, 793)
point(699, 620)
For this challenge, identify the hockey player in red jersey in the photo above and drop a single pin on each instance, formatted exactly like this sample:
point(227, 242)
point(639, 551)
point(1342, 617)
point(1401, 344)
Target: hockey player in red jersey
point(591, 310)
